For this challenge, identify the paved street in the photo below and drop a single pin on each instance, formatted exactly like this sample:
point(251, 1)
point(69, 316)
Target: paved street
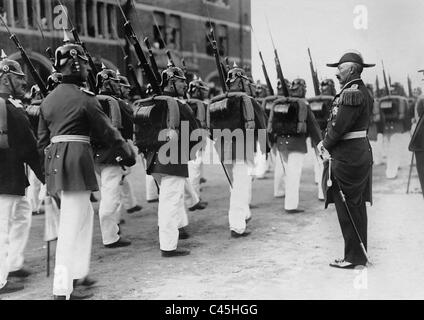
point(286, 256)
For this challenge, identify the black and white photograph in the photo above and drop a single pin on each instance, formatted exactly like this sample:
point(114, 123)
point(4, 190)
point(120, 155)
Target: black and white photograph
point(224, 151)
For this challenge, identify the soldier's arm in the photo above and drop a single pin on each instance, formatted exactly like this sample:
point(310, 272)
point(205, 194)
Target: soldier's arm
point(349, 109)
point(313, 128)
point(102, 129)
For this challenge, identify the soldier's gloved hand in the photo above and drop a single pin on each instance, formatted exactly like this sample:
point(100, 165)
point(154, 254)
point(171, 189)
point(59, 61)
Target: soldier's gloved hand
point(324, 154)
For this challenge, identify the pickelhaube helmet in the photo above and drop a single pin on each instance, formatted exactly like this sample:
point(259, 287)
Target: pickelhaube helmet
point(68, 51)
point(236, 72)
point(171, 72)
point(197, 84)
point(104, 75)
point(296, 83)
point(35, 89)
point(327, 82)
point(10, 66)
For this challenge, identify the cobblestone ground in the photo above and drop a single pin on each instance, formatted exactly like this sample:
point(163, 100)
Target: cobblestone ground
point(286, 256)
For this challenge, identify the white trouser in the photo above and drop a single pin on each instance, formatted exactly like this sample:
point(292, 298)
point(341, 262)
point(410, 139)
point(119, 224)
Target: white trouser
point(191, 197)
point(194, 172)
point(35, 191)
point(171, 210)
point(73, 248)
point(151, 188)
point(127, 192)
point(15, 223)
point(239, 200)
point(394, 153)
point(377, 149)
point(271, 159)
point(261, 163)
point(293, 162)
point(109, 207)
point(279, 186)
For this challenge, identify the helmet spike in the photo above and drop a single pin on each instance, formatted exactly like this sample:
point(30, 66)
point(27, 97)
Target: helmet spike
point(235, 65)
point(66, 37)
point(103, 66)
point(3, 54)
point(169, 63)
point(118, 73)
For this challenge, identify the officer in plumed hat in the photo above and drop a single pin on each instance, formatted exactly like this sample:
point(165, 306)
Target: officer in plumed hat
point(348, 157)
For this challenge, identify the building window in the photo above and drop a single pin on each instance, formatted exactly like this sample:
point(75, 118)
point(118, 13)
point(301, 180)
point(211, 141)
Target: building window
point(174, 33)
point(111, 21)
point(218, 3)
point(159, 30)
point(91, 24)
point(209, 37)
point(222, 39)
point(100, 18)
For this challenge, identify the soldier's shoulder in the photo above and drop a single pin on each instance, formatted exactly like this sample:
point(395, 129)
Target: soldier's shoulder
point(352, 96)
point(87, 92)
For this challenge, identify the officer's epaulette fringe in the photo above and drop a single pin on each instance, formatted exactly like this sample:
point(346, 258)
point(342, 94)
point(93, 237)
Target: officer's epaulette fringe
point(351, 97)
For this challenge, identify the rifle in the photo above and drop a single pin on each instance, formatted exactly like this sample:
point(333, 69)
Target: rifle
point(280, 75)
point(93, 72)
point(152, 59)
point(386, 84)
point(377, 87)
point(27, 61)
point(268, 82)
point(314, 73)
point(129, 31)
point(410, 88)
point(168, 53)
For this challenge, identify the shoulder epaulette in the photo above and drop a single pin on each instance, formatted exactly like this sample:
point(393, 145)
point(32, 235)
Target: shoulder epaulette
point(87, 91)
point(351, 96)
point(16, 103)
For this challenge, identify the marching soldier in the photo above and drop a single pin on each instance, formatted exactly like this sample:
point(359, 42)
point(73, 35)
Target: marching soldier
point(416, 144)
point(197, 93)
point(156, 116)
point(129, 201)
point(240, 113)
point(321, 107)
point(36, 191)
point(394, 109)
point(18, 147)
point(348, 155)
point(110, 171)
point(291, 121)
point(69, 114)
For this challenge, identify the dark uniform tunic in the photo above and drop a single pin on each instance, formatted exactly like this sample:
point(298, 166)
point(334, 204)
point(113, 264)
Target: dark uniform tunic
point(22, 149)
point(351, 164)
point(70, 110)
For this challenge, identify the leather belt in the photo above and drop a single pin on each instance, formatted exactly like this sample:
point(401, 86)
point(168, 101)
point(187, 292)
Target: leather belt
point(355, 135)
point(70, 138)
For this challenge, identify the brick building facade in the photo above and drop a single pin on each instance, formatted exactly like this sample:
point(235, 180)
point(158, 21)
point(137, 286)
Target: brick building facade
point(183, 25)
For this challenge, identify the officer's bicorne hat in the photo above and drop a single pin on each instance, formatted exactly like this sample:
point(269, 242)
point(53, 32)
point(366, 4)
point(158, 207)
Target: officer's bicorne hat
point(351, 56)
point(10, 66)
point(197, 83)
point(104, 75)
point(236, 72)
point(171, 72)
point(68, 51)
point(123, 81)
